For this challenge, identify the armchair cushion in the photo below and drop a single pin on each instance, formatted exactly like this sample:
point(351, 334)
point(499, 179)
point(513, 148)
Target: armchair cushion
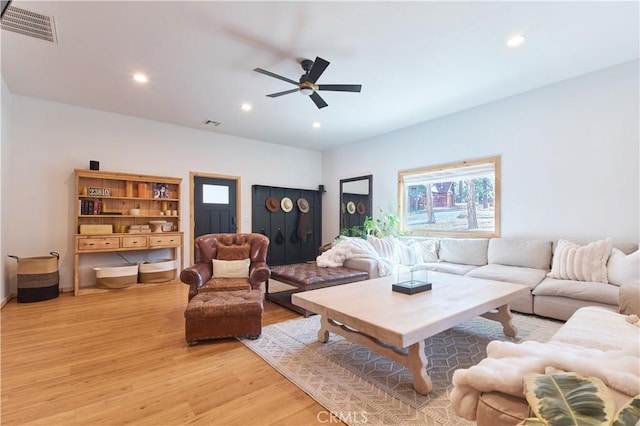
point(234, 252)
point(231, 268)
point(225, 284)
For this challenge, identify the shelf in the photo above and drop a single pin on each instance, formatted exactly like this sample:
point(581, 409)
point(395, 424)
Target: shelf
point(140, 216)
point(94, 290)
point(92, 197)
point(114, 192)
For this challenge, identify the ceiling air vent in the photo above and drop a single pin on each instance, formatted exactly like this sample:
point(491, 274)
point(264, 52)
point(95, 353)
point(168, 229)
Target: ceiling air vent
point(28, 23)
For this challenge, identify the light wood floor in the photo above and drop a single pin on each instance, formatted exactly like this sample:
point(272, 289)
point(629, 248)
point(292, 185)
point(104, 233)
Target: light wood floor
point(120, 357)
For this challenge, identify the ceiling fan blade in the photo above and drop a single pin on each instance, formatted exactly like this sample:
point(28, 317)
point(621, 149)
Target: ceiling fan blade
point(340, 87)
point(320, 103)
point(286, 92)
point(279, 77)
point(319, 65)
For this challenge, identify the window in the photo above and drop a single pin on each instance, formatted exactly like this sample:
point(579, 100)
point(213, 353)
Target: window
point(459, 200)
point(215, 194)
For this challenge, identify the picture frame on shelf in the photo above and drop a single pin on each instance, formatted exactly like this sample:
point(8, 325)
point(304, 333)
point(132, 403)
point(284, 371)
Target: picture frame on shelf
point(160, 190)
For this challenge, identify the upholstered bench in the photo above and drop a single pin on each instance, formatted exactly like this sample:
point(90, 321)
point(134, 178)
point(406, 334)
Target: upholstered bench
point(217, 314)
point(309, 276)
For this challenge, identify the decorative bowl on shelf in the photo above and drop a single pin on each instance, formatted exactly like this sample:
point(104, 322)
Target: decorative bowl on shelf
point(156, 225)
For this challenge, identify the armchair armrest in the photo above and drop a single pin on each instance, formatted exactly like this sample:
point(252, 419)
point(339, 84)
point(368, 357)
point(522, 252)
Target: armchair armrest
point(629, 299)
point(196, 276)
point(259, 272)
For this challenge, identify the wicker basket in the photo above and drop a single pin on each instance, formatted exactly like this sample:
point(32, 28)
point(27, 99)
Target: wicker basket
point(116, 276)
point(160, 271)
point(38, 278)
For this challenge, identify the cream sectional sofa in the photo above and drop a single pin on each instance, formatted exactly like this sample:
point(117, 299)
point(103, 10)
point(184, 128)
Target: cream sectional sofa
point(521, 261)
point(593, 342)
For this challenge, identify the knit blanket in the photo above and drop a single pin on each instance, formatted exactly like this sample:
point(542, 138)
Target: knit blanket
point(352, 248)
point(507, 363)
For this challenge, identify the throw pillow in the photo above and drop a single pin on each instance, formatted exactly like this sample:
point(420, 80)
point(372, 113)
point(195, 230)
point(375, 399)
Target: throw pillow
point(427, 250)
point(233, 252)
point(464, 251)
point(623, 269)
point(581, 263)
point(386, 248)
point(231, 268)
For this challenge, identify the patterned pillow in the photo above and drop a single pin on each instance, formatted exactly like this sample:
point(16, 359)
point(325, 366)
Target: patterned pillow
point(427, 250)
point(581, 263)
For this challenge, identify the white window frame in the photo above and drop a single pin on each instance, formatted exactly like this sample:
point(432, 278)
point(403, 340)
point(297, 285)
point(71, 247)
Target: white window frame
point(452, 172)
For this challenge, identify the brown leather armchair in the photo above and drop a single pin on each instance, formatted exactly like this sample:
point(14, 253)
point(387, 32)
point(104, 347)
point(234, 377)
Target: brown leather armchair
point(206, 248)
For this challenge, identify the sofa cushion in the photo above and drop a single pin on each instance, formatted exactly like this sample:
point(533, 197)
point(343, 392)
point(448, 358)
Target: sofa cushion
point(527, 253)
point(583, 290)
point(582, 263)
point(449, 268)
point(629, 299)
point(623, 269)
point(464, 251)
point(597, 328)
point(511, 274)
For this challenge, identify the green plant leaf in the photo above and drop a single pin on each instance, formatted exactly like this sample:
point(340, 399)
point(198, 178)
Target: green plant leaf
point(569, 399)
point(534, 421)
point(629, 414)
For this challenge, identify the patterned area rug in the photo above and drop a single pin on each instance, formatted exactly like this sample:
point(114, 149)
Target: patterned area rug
point(359, 386)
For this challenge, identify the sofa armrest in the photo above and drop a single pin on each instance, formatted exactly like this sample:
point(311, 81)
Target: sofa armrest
point(629, 299)
point(259, 272)
point(196, 276)
point(363, 264)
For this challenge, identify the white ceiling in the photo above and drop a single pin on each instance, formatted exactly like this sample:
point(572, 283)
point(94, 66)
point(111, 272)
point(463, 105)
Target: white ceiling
point(415, 60)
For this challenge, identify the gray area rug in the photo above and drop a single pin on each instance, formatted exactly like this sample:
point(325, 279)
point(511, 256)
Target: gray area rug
point(359, 386)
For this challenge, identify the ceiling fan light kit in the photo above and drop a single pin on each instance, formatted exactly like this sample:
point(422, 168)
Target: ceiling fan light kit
point(307, 84)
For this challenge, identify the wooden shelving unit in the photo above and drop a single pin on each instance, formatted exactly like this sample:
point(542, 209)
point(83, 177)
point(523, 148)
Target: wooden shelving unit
point(110, 206)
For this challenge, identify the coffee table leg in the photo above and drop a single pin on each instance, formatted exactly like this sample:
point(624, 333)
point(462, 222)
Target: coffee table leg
point(323, 333)
point(504, 317)
point(418, 366)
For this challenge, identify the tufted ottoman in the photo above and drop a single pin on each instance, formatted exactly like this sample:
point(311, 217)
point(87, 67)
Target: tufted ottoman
point(217, 314)
point(309, 276)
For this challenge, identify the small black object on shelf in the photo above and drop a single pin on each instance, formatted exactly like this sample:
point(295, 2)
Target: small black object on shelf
point(94, 165)
point(411, 287)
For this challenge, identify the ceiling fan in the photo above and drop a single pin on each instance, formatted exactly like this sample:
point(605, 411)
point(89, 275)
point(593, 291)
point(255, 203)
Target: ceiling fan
point(307, 84)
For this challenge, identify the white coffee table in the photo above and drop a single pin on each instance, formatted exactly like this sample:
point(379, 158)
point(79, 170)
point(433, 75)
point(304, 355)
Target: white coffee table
point(395, 325)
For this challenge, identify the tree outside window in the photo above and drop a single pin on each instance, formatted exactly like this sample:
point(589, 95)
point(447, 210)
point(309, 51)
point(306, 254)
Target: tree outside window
point(459, 199)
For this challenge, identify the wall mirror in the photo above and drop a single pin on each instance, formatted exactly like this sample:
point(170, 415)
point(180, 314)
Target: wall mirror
point(355, 203)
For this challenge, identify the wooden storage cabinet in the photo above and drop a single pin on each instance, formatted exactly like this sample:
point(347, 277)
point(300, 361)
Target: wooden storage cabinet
point(113, 210)
point(165, 240)
point(138, 242)
point(97, 243)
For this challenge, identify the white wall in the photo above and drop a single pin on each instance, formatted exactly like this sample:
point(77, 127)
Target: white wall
point(50, 140)
point(569, 158)
point(5, 147)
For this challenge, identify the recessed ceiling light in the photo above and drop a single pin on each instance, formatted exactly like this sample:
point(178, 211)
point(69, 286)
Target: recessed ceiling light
point(316, 125)
point(246, 107)
point(140, 78)
point(516, 40)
